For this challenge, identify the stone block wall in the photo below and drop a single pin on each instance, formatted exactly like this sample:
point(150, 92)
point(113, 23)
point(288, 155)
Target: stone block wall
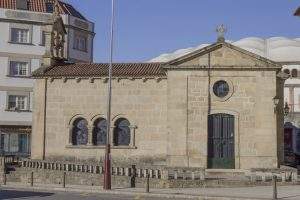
point(142, 102)
point(253, 84)
point(169, 116)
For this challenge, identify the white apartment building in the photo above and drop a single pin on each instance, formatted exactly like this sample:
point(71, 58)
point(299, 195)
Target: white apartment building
point(22, 46)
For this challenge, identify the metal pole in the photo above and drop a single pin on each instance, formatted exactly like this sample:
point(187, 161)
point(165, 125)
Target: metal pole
point(133, 175)
point(107, 160)
point(64, 180)
point(4, 178)
point(148, 183)
point(275, 187)
point(31, 179)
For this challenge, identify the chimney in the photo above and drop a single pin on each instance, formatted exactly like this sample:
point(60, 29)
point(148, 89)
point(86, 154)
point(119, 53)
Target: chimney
point(22, 4)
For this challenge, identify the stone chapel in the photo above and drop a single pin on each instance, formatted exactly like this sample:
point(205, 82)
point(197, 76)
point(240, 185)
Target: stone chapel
point(217, 107)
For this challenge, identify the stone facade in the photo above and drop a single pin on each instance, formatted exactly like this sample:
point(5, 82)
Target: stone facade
point(142, 103)
point(168, 115)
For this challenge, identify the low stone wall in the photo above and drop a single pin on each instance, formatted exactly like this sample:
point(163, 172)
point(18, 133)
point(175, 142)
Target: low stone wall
point(49, 172)
point(283, 174)
point(66, 173)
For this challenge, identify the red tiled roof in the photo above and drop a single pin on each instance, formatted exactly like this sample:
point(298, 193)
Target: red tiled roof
point(297, 13)
point(40, 6)
point(101, 70)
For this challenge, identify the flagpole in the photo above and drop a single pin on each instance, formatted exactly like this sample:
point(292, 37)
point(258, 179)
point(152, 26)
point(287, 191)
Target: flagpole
point(107, 159)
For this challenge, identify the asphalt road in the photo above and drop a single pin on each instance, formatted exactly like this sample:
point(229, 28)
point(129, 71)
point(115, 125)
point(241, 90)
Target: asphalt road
point(30, 195)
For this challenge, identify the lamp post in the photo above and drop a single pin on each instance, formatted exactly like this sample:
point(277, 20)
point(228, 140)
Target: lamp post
point(107, 159)
point(286, 109)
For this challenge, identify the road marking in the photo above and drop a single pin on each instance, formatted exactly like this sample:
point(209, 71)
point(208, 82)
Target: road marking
point(138, 197)
point(84, 194)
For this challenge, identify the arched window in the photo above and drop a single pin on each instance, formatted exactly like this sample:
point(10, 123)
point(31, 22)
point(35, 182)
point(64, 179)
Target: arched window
point(80, 132)
point(294, 73)
point(100, 132)
point(122, 132)
point(287, 71)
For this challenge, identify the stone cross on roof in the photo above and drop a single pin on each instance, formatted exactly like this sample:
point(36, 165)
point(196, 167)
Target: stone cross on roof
point(221, 30)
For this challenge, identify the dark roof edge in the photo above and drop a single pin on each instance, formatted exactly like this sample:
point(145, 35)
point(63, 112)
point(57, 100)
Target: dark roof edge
point(42, 71)
point(215, 46)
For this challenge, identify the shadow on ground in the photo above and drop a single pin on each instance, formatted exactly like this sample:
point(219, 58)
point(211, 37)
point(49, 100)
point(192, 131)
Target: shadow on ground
point(14, 194)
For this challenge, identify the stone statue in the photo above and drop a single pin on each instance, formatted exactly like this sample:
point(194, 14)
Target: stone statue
point(57, 44)
point(57, 34)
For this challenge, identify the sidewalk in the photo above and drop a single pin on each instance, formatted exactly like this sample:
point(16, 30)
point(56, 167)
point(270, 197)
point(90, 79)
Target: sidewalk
point(245, 193)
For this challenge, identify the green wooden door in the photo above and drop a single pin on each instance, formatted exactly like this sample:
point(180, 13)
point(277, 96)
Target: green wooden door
point(221, 141)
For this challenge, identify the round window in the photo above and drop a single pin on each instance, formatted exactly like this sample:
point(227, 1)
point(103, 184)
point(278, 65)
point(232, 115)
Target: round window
point(221, 89)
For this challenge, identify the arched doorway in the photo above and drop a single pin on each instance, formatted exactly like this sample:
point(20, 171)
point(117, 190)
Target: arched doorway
point(221, 141)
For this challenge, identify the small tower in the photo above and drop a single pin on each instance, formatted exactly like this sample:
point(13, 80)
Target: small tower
point(221, 30)
point(54, 33)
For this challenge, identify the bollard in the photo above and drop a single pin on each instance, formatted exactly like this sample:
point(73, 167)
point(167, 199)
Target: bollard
point(31, 179)
point(274, 183)
point(147, 183)
point(132, 177)
point(64, 180)
point(4, 179)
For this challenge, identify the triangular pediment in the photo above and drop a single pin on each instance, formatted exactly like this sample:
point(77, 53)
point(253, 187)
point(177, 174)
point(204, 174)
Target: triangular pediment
point(223, 55)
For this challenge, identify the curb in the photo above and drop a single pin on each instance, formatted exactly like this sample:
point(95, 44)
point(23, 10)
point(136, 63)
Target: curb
point(131, 193)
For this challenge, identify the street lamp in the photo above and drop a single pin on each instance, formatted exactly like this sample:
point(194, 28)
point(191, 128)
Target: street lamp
point(107, 159)
point(286, 109)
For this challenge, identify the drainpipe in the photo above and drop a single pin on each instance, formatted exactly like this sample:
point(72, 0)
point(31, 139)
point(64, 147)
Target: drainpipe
point(45, 114)
point(187, 122)
point(208, 88)
point(208, 101)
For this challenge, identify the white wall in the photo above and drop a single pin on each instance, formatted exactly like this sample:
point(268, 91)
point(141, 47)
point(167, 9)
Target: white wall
point(33, 54)
point(294, 85)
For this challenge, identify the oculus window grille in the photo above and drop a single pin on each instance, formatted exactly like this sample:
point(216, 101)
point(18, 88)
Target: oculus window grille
point(221, 89)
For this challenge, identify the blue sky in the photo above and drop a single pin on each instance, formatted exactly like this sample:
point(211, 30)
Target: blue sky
point(148, 28)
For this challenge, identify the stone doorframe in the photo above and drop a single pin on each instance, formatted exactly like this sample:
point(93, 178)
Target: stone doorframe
point(236, 132)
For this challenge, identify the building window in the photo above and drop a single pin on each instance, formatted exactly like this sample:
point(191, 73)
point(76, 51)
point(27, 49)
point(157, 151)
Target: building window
point(122, 132)
point(23, 143)
point(80, 42)
point(287, 71)
point(43, 39)
point(19, 35)
point(14, 144)
point(2, 138)
point(18, 68)
point(17, 102)
point(100, 132)
point(294, 73)
point(80, 132)
point(221, 89)
point(49, 7)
